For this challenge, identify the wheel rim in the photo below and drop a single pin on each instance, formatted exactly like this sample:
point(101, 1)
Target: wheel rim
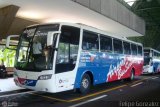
point(85, 83)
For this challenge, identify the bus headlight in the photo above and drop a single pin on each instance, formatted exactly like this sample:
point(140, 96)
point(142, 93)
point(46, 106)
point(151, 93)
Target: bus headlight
point(45, 77)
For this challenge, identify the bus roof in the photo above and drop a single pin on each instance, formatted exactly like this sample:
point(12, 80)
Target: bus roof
point(151, 49)
point(90, 28)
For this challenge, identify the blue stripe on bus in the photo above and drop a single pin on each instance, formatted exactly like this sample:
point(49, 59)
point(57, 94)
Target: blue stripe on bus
point(99, 65)
point(155, 66)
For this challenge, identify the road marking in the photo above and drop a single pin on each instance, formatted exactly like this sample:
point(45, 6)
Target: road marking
point(155, 78)
point(28, 92)
point(97, 93)
point(90, 95)
point(97, 98)
point(85, 102)
point(141, 80)
point(52, 98)
point(80, 98)
point(136, 84)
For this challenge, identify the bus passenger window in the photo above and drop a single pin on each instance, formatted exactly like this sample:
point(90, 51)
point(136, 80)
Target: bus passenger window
point(90, 41)
point(140, 50)
point(134, 49)
point(127, 48)
point(154, 54)
point(106, 44)
point(117, 44)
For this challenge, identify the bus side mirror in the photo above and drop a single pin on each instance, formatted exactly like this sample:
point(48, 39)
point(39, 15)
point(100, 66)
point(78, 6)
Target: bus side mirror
point(11, 42)
point(50, 37)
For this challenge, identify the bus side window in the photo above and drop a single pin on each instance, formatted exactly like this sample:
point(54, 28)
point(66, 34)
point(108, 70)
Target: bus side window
point(117, 44)
point(139, 50)
point(127, 48)
point(134, 49)
point(90, 41)
point(106, 44)
point(154, 53)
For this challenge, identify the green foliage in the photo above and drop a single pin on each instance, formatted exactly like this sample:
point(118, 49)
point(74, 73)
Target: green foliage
point(8, 56)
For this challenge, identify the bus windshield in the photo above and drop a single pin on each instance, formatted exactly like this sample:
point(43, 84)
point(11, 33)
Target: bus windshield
point(33, 53)
point(147, 60)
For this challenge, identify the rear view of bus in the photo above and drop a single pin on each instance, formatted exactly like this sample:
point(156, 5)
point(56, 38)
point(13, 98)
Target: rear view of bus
point(151, 61)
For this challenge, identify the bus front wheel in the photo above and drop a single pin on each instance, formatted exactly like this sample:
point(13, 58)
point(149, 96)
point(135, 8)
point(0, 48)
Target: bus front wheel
point(85, 84)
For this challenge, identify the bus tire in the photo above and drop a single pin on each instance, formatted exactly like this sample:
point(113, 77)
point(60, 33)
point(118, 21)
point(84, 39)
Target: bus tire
point(85, 84)
point(154, 70)
point(131, 76)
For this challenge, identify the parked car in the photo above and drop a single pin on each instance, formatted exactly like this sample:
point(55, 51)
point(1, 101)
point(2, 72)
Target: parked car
point(6, 71)
point(3, 72)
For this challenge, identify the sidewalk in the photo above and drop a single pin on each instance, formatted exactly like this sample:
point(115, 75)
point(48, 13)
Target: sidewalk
point(8, 85)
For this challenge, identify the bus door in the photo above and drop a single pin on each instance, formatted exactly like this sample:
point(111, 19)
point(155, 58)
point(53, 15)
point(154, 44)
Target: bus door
point(65, 68)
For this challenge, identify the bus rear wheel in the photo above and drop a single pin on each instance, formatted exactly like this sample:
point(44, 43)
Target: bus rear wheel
point(132, 75)
point(154, 70)
point(85, 84)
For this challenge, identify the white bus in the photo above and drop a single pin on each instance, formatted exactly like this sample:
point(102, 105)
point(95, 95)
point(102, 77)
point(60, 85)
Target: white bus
point(63, 56)
point(151, 61)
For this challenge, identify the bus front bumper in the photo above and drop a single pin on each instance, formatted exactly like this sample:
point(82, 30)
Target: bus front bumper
point(147, 70)
point(37, 85)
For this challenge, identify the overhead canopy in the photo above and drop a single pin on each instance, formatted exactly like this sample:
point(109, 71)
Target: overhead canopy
point(149, 10)
point(67, 11)
point(130, 2)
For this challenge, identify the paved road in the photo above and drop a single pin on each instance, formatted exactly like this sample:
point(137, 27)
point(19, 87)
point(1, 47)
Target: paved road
point(143, 91)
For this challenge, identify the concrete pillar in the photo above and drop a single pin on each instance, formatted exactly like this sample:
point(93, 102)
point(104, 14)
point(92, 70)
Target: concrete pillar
point(7, 15)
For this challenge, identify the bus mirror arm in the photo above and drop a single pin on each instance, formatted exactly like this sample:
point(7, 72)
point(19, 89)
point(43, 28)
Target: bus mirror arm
point(8, 41)
point(50, 37)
